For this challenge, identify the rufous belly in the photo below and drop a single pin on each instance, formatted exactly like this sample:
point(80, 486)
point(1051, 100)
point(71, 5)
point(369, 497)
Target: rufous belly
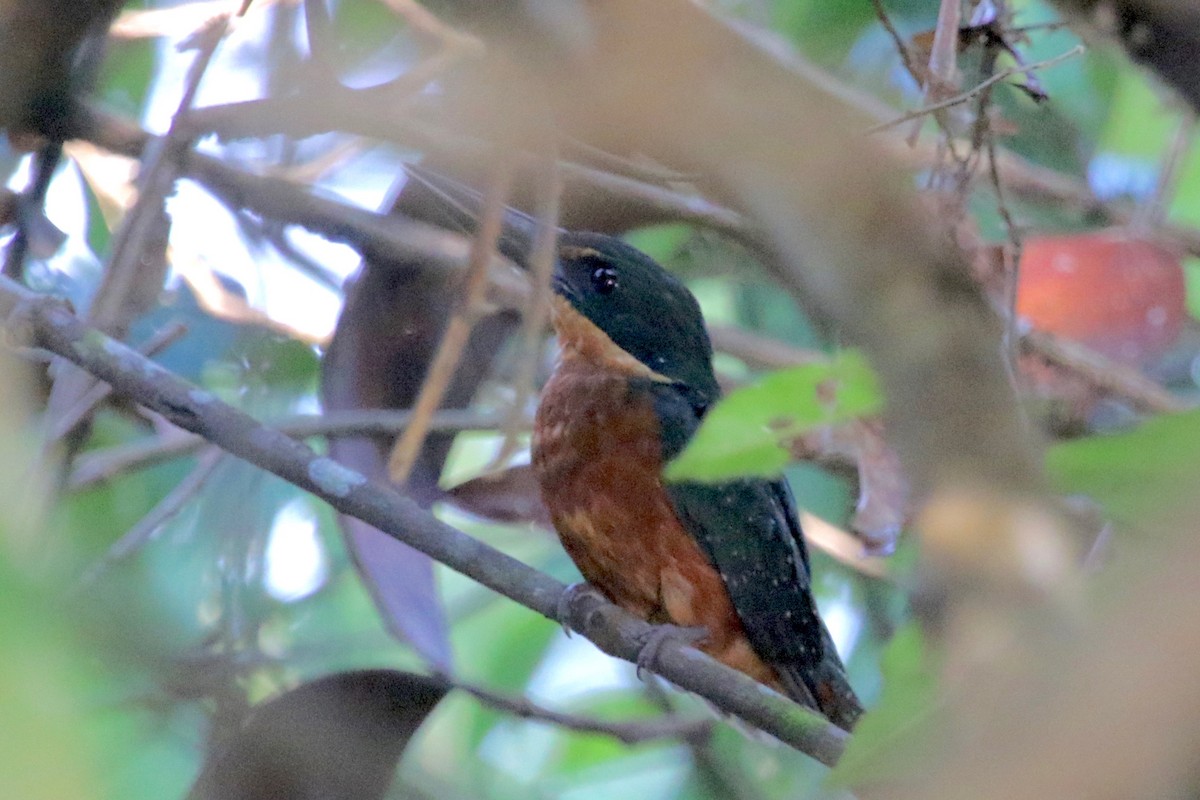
point(598, 458)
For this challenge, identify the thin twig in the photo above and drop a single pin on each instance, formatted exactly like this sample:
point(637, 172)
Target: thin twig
point(131, 279)
point(458, 329)
point(943, 55)
point(631, 733)
point(103, 465)
point(626, 167)
point(536, 311)
point(942, 75)
point(371, 234)
point(760, 351)
point(612, 629)
point(1012, 253)
point(158, 174)
point(358, 111)
point(28, 207)
point(722, 781)
point(901, 46)
point(175, 21)
point(970, 93)
point(1152, 213)
point(143, 531)
point(1103, 373)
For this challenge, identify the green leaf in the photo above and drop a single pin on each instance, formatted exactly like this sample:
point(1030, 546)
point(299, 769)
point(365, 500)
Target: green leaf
point(890, 739)
point(747, 432)
point(1136, 475)
point(1138, 123)
point(661, 242)
point(1191, 268)
point(824, 31)
point(127, 73)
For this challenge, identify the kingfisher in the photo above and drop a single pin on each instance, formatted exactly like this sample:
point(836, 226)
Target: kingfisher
point(633, 381)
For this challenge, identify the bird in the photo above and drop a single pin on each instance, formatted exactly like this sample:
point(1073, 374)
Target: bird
point(727, 561)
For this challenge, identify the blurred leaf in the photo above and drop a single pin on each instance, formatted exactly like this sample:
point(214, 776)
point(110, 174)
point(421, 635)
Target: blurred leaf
point(584, 751)
point(824, 31)
point(763, 308)
point(334, 738)
point(882, 746)
point(660, 242)
point(1138, 476)
point(503, 646)
point(747, 432)
point(1185, 207)
point(126, 75)
point(1191, 267)
point(1119, 293)
point(50, 751)
point(283, 364)
point(1138, 122)
point(361, 29)
point(209, 340)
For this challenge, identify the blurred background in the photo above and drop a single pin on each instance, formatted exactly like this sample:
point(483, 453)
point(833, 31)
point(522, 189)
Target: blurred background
point(155, 588)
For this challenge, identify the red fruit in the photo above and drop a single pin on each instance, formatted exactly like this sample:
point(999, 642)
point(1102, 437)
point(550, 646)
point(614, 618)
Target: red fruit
point(1120, 294)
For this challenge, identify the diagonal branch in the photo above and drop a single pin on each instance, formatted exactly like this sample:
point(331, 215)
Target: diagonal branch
point(52, 326)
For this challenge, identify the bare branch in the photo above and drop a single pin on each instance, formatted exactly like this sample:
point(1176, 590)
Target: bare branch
point(963, 97)
point(635, 732)
point(1102, 372)
point(137, 536)
point(104, 465)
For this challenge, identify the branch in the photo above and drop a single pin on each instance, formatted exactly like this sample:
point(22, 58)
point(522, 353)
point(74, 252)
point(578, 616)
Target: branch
point(366, 231)
point(668, 726)
point(358, 111)
point(963, 97)
point(52, 326)
point(1108, 376)
point(103, 465)
point(370, 232)
point(147, 526)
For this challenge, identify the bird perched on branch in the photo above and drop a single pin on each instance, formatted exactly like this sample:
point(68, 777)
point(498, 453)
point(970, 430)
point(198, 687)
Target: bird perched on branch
point(633, 383)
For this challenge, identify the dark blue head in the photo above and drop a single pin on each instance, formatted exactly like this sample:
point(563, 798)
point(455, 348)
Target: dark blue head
point(642, 308)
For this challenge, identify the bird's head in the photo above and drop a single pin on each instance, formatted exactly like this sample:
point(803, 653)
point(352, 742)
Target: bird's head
point(615, 306)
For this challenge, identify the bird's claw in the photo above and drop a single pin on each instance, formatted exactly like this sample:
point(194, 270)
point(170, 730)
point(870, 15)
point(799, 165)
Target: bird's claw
point(562, 609)
point(659, 635)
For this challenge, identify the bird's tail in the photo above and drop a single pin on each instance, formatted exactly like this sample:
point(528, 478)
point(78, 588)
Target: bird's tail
point(834, 696)
point(824, 686)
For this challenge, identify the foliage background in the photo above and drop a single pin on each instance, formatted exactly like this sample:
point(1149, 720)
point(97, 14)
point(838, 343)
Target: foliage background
point(114, 679)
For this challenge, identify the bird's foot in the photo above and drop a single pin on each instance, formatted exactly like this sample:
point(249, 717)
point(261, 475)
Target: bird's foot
point(659, 635)
point(562, 609)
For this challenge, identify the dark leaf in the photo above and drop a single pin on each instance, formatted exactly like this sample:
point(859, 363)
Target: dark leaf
point(335, 738)
point(509, 496)
point(387, 335)
point(882, 509)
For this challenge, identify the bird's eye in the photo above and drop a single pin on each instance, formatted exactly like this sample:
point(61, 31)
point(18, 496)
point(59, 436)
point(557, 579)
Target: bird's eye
point(604, 280)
